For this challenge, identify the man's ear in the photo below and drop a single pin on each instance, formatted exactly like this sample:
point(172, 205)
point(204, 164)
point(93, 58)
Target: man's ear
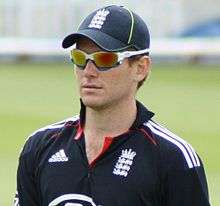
point(142, 67)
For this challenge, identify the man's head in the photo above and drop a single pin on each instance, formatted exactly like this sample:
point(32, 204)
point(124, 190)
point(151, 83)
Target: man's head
point(121, 69)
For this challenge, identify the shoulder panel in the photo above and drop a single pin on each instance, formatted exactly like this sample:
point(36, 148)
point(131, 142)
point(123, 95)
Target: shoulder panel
point(56, 125)
point(41, 135)
point(186, 149)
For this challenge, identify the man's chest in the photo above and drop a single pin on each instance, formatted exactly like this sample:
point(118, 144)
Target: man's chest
point(119, 176)
point(94, 149)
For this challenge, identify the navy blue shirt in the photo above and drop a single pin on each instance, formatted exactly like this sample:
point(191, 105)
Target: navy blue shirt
point(146, 166)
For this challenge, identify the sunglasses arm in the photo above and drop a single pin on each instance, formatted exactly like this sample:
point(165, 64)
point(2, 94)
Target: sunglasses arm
point(126, 54)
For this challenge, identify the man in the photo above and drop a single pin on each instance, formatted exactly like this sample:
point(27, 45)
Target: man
point(113, 153)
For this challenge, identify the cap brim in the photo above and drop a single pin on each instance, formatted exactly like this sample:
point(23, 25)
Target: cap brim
point(103, 40)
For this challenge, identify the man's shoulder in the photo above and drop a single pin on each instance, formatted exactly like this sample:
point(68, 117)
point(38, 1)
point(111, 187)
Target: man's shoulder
point(173, 149)
point(46, 134)
point(56, 126)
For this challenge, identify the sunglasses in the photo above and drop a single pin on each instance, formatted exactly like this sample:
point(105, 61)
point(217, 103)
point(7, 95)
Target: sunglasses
point(102, 60)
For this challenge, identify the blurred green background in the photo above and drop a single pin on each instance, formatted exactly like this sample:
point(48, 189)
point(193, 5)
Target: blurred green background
point(185, 98)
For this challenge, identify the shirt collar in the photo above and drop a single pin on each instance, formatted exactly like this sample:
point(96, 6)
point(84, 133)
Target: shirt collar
point(143, 115)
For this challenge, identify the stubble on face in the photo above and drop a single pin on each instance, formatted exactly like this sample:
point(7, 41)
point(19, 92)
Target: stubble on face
point(101, 89)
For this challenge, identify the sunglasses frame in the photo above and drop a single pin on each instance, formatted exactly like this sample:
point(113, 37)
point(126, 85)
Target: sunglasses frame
point(121, 57)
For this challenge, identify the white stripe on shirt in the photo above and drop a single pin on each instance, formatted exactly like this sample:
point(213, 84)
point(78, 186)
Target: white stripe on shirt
point(187, 153)
point(188, 147)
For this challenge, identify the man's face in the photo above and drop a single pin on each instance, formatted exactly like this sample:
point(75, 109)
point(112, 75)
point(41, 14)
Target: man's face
point(101, 89)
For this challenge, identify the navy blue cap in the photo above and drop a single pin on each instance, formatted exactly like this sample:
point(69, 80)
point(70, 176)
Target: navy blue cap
point(113, 28)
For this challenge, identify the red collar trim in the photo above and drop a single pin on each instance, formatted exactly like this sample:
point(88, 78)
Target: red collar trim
point(79, 132)
point(106, 145)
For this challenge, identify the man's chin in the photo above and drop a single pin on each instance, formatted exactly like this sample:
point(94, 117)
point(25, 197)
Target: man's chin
point(93, 103)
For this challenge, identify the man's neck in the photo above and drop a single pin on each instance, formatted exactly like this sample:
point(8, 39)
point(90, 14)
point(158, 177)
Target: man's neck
point(107, 122)
point(110, 121)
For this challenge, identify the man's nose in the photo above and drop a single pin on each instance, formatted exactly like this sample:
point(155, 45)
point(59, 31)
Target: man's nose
point(91, 69)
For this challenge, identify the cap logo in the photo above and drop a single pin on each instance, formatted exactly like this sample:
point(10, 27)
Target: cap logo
point(99, 19)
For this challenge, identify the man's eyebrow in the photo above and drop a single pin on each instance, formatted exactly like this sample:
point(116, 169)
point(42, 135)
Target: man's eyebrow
point(85, 49)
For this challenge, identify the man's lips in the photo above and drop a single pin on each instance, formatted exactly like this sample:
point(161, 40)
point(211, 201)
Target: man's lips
point(91, 86)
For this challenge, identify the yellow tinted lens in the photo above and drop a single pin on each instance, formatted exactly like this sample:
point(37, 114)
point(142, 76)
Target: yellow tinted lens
point(78, 57)
point(105, 59)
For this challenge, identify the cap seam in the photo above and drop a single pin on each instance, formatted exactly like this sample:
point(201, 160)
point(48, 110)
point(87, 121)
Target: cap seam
point(132, 25)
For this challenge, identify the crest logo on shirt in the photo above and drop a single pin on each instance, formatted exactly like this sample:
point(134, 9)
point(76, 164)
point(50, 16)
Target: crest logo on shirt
point(99, 19)
point(124, 162)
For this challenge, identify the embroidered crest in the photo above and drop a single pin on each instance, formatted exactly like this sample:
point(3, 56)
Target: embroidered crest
point(124, 162)
point(99, 19)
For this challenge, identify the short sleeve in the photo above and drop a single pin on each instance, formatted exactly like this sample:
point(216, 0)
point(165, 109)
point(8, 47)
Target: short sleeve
point(186, 187)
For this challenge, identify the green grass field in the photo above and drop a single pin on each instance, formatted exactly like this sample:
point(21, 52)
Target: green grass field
point(185, 98)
